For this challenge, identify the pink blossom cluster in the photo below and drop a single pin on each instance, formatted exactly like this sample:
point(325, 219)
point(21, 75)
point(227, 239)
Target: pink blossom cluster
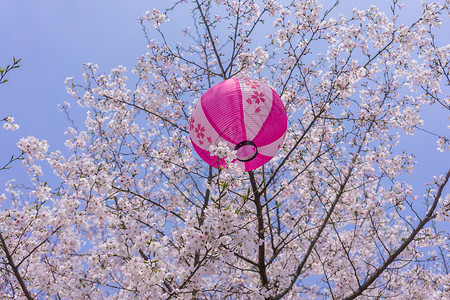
point(33, 147)
point(156, 16)
point(9, 124)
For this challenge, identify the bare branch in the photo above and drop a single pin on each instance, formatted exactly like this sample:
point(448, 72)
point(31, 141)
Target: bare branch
point(405, 244)
point(14, 268)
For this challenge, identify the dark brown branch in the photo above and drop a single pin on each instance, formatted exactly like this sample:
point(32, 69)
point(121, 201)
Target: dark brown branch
point(201, 218)
point(39, 245)
point(211, 38)
point(405, 244)
point(317, 236)
point(197, 267)
point(11, 160)
point(8, 68)
point(260, 217)
point(14, 268)
point(291, 151)
point(324, 222)
point(149, 200)
point(246, 259)
point(166, 282)
point(149, 112)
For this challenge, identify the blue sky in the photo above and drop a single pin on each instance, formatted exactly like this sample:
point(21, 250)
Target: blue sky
point(54, 39)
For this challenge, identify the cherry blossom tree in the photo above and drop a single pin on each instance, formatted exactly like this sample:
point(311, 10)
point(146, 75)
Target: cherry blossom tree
point(138, 214)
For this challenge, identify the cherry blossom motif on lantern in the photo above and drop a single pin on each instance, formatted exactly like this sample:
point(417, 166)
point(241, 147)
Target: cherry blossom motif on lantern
point(199, 130)
point(256, 97)
point(252, 83)
point(246, 115)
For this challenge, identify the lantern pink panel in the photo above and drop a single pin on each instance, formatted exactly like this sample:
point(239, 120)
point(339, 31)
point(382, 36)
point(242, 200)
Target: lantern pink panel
point(246, 114)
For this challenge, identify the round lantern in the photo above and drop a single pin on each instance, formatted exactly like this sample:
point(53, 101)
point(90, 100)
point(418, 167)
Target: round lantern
point(244, 113)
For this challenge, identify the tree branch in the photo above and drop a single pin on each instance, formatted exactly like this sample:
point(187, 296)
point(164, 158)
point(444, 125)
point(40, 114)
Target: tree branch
point(259, 215)
point(212, 40)
point(403, 246)
point(14, 268)
point(201, 218)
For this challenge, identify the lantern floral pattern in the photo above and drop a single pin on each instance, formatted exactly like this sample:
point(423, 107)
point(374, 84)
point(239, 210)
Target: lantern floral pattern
point(245, 114)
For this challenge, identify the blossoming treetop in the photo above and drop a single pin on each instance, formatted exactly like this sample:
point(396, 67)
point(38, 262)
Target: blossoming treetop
point(139, 214)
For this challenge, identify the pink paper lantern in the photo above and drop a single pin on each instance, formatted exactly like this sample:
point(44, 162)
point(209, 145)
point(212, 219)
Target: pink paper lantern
point(246, 114)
